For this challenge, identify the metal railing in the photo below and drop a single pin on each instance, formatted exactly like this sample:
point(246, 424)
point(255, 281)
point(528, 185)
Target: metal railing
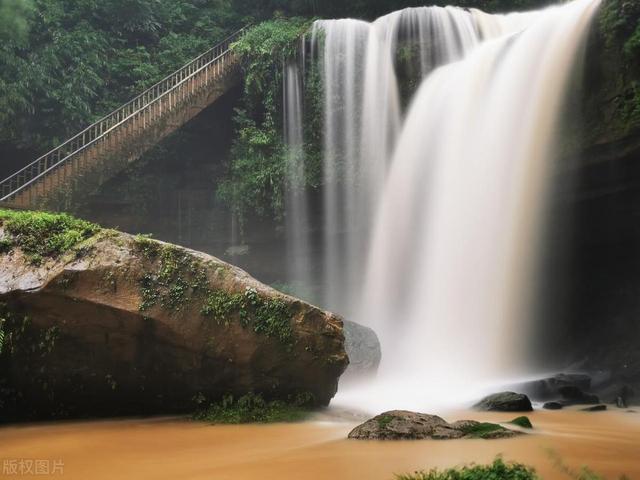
point(145, 109)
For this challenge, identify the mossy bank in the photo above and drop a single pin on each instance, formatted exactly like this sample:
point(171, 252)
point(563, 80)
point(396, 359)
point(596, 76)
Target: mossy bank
point(98, 322)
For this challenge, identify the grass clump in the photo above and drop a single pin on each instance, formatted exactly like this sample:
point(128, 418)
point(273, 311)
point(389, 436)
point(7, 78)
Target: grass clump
point(253, 408)
point(522, 422)
point(43, 235)
point(499, 469)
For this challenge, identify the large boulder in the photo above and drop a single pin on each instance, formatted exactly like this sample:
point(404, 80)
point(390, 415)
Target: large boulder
point(95, 322)
point(406, 425)
point(505, 402)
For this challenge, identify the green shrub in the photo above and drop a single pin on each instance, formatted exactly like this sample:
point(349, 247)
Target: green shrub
point(498, 470)
point(252, 408)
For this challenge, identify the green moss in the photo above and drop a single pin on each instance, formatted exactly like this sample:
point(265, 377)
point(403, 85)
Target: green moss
point(175, 276)
point(499, 469)
point(267, 316)
point(149, 248)
point(384, 421)
point(482, 430)
point(523, 422)
point(43, 235)
point(252, 408)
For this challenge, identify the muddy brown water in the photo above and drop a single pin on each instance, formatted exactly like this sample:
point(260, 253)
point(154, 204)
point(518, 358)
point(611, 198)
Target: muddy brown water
point(608, 442)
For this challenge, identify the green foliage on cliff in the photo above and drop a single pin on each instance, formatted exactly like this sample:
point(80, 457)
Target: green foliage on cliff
point(256, 171)
point(42, 234)
point(66, 63)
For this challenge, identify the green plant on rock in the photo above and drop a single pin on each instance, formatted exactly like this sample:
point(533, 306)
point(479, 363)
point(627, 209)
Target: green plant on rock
point(267, 316)
point(175, 277)
point(44, 235)
point(256, 172)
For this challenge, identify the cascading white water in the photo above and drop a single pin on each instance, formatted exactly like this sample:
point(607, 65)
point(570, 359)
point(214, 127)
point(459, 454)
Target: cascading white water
point(296, 204)
point(432, 224)
point(451, 267)
point(363, 120)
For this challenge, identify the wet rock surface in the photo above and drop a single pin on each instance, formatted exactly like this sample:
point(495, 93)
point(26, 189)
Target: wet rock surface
point(406, 425)
point(505, 402)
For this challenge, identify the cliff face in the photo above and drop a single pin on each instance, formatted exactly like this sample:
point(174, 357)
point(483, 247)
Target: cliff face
point(596, 262)
point(99, 322)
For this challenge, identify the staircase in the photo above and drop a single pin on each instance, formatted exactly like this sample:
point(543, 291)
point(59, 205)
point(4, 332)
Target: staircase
point(59, 179)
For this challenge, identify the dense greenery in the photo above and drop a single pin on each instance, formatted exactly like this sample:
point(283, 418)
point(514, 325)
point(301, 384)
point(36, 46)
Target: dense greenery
point(43, 235)
point(252, 408)
point(256, 171)
point(65, 63)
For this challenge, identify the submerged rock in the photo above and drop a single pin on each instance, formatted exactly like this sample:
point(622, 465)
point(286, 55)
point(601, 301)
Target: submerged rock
point(107, 323)
point(553, 406)
point(505, 402)
point(406, 425)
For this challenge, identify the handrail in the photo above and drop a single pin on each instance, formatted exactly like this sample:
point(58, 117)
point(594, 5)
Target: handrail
point(101, 128)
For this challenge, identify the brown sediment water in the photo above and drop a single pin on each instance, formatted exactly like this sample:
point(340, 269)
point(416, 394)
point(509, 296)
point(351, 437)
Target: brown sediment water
point(608, 442)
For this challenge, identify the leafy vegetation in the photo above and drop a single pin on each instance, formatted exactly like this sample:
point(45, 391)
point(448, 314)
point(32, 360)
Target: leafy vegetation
point(255, 180)
point(253, 408)
point(43, 235)
point(270, 317)
point(499, 469)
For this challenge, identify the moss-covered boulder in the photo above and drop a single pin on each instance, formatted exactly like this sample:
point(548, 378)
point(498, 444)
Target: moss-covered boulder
point(406, 425)
point(99, 322)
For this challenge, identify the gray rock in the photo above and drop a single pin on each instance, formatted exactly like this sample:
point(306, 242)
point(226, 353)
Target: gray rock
point(547, 388)
point(406, 425)
point(363, 348)
point(505, 402)
point(572, 395)
point(552, 406)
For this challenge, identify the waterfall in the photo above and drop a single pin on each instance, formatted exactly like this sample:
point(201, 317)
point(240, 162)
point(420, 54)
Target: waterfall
point(296, 203)
point(363, 120)
point(433, 214)
point(451, 269)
